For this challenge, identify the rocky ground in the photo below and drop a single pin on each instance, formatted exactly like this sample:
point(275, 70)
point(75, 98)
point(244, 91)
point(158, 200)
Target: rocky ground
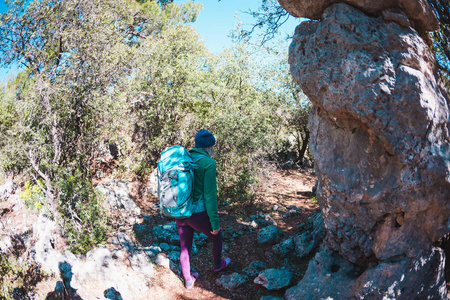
point(268, 248)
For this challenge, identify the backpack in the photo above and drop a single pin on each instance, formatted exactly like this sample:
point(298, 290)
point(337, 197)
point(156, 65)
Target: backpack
point(175, 182)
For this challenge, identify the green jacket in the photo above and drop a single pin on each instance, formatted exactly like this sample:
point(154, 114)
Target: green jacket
point(205, 185)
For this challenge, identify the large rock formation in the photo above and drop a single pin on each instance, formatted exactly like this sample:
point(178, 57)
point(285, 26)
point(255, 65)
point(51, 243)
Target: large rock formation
point(418, 11)
point(380, 138)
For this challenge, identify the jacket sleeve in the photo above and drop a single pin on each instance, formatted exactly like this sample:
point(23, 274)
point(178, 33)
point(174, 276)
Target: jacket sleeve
point(210, 195)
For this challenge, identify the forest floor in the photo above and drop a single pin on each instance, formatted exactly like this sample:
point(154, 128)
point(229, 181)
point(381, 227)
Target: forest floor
point(282, 188)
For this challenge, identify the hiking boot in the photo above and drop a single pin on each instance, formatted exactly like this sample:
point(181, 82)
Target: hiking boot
point(225, 262)
point(194, 277)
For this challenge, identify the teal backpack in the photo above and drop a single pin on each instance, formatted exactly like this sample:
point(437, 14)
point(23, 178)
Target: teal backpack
point(175, 183)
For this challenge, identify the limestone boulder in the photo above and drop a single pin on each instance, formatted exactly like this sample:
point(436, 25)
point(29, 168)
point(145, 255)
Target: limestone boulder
point(420, 278)
point(274, 279)
point(231, 281)
point(269, 235)
point(254, 268)
point(419, 12)
point(380, 138)
point(140, 262)
point(285, 247)
point(379, 132)
point(6, 190)
point(99, 271)
point(46, 233)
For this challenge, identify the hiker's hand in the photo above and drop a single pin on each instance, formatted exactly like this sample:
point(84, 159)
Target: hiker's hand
point(215, 232)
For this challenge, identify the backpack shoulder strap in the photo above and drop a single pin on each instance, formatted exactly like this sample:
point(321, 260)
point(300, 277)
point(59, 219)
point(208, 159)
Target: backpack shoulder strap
point(198, 157)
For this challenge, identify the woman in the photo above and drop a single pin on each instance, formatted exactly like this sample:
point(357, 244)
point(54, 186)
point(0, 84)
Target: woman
point(206, 218)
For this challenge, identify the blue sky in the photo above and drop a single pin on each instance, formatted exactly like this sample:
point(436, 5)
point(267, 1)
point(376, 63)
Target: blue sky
point(3, 72)
point(214, 24)
point(217, 19)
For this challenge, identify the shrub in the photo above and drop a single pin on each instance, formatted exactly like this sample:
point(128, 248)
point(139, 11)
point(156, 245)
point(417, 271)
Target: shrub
point(237, 188)
point(84, 219)
point(18, 277)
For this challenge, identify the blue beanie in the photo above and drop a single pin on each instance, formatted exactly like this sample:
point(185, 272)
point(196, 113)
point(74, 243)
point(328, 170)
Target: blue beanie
point(204, 139)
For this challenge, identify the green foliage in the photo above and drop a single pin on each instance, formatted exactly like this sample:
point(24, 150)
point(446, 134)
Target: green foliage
point(269, 17)
point(135, 73)
point(12, 158)
point(84, 218)
point(238, 188)
point(441, 38)
point(33, 195)
point(247, 115)
point(7, 110)
point(17, 276)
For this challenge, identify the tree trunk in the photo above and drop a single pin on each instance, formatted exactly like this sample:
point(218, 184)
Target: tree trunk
point(302, 149)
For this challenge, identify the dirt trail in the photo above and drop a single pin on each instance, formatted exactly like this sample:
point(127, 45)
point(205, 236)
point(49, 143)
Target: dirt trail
point(284, 188)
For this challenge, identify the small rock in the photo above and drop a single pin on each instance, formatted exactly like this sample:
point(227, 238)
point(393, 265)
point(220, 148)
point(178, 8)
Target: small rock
point(121, 189)
point(254, 224)
point(254, 268)
point(5, 244)
point(166, 233)
point(304, 244)
point(107, 192)
point(163, 261)
point(154, 248)
point(112, 294)
point(6, 190)
point(294, 207)
point(231, 281)
point(174, 239)
point(274, 279)
point(125, 241)
point(290, 212)
point(129, 205)
point(282, 209)
point(174, 248)
point(140, 263)
point(174, 256)
point(254, 217)
point(170, 227)
point(200, 238)
point(265, 220)
point(284, 248)
point(269, 235)
point(164, 247)
point(269, 255)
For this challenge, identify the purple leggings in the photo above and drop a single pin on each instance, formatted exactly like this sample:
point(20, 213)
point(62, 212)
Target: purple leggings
point(186, 227)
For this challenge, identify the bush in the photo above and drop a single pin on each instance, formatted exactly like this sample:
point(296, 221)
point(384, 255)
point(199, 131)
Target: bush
point(238, 189)
point(12, 158)
point(18, 277)
point(84, 219)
